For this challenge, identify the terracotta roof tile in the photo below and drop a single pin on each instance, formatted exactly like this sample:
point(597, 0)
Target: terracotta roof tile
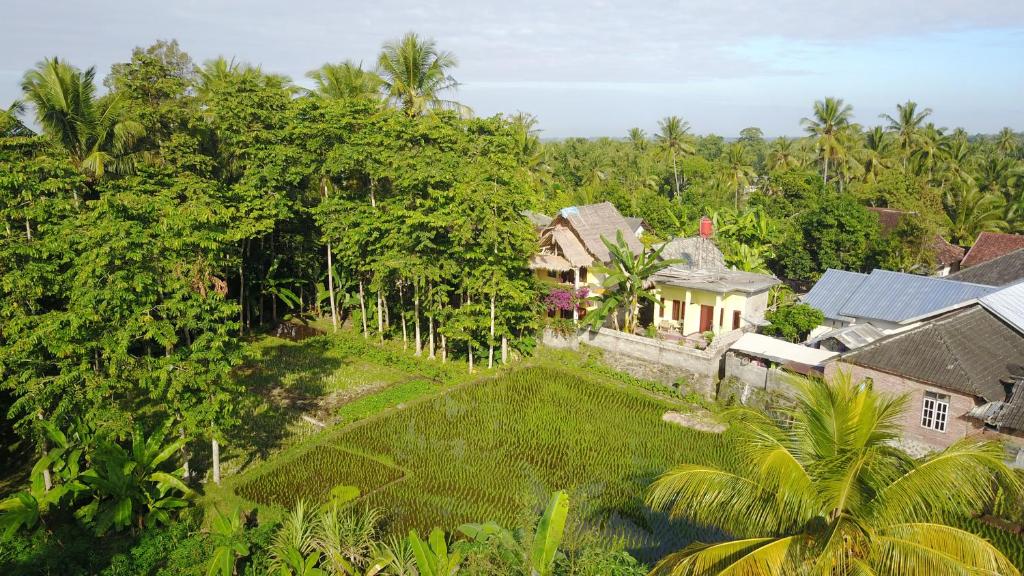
point(991, 245)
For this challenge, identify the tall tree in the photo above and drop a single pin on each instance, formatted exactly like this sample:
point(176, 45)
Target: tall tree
point(828, 494)
point(345, 80)
point(416, 75)
point(906, 125)
point(672, 138)
point(831, 116)
point(94, 131)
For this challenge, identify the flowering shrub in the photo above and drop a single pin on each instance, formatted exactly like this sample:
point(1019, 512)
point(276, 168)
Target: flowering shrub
point(561, 299)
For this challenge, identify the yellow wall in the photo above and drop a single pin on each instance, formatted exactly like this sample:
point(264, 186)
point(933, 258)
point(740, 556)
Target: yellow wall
point(731, 303)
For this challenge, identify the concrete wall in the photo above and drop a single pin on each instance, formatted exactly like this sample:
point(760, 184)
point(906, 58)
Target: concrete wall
point(958, 425)
point(652, 359)
point(753, 377)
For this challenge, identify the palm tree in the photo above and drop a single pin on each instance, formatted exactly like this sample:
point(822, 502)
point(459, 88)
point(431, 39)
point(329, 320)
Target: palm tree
point(638, 138)
point(831, 115)
point(95, 132)
point(970, 211)
point(1006, 142)
point(345, 81)
point(672, 137)
point(783, 154)
point(906, 125)
point(11, 124)
point(827, 493)
point(874, 156)
point(416, 75)
point(738, 173)
point(626, 281)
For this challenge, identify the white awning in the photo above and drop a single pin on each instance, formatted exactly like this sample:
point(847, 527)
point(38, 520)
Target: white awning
point(780, 351)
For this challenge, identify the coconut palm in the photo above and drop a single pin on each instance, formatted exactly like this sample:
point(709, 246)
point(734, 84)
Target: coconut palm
point(345, 81)
point(970, 212)
point(94, 131)
point(638, 138)
point(1007, 142)
point(416, 75)
point(906, 125)
point(874, 156)
point(11, 124)
point(783, 154)
point(831, 115)
point(826, 492)
point(737, 173)
point(672, 138)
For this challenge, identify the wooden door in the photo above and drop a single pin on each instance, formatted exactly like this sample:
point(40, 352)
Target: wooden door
point(707, 316)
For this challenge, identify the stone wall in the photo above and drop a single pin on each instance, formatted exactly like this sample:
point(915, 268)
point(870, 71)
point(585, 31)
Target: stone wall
point(651, 359)
point(751, 382)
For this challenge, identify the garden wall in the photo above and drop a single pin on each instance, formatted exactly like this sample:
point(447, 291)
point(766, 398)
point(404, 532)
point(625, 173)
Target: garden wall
point(651, 359)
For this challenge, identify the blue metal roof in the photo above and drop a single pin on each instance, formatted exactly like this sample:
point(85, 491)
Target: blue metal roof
point(899, 297)
point(1008, 304)
point(832, 291)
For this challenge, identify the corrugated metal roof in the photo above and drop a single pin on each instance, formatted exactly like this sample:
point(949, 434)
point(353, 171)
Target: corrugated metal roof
point(1008, 304)
point(969, 351)
point(779, 350)
point(832, 291)
point(852, 337)
point(901, 298)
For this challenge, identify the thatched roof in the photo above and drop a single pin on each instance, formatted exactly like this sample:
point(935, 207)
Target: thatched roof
point(696, 253)
point(592, 222)
point(560, 240)
point(549, 262)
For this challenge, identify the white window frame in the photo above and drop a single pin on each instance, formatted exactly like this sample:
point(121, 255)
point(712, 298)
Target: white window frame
point(935, 411)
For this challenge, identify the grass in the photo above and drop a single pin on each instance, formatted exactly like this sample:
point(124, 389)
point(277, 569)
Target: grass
point(495, 449)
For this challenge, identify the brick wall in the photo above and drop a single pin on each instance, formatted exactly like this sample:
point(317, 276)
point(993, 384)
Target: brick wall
point(957, 426)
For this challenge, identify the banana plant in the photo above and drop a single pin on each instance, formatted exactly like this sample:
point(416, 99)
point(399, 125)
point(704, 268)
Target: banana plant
point(432, 557)
point(549, 534)
point(228, 536)
point(129, 487)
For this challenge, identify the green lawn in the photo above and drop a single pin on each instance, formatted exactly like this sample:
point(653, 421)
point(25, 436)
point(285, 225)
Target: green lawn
point(494, 449)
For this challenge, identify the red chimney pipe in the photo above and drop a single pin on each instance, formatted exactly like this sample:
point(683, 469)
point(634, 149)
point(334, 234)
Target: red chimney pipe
point(706, 227)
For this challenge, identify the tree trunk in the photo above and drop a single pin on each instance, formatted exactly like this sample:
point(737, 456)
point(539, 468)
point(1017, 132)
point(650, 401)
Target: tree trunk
point(469, 347)
point(184, 455)
point(362, 309)
point(444, 349)
point(47, 479)
point(504, 349)
point(825, 173)
point(380, 319)
point(416, 319)
point(216, 461)
point(430, 323)
point(490, 344)
point(330, 287)
point(28, 229)
point(241, 294)
point(401, 315)
point(675, 176)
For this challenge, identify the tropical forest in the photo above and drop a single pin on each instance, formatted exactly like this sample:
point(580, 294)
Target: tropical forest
point(252, 324)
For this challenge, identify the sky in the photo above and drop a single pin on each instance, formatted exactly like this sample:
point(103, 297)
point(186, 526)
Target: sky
point(593, 68)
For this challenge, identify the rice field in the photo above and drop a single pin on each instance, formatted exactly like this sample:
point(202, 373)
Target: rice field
point(495, 449)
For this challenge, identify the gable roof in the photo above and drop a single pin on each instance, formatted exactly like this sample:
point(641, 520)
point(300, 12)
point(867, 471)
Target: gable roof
point(777, 350)
point(635, 223)
point(591, 222)
point(991, 245)
point(566, 244)
point(719, 282)
point(901, 298)
point(696, 253)
point(1008, 304)
point(889, 218)
point(852, 337)
point(946, 254)
point(832, 290)
point(536, 218)
point(968, 351)
point(1001, 271)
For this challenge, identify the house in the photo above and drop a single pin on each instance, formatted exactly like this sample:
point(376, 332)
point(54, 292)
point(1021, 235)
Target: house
point(638, 225)
point(947, 367)
point(890, 301)
point(1000, 271)
point(571, 244)
point(947, 256)
point(990, 245)
point(701, 294)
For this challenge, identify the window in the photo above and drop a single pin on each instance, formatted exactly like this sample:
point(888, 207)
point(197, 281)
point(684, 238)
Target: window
point(935, 411)
point(677, 310)
point(583, 274)
point(552, 274)
point(567, 276)
point(721, 317)
point(736, 320)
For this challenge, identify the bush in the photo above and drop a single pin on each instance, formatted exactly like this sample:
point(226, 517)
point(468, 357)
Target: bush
point(793, 322)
